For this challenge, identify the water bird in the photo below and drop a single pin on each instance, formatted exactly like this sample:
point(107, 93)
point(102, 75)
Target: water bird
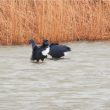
point(57, 50)
point(39, 52)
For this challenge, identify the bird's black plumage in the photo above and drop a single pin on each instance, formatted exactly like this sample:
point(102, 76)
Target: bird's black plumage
point(57, 50)
point(38, 53)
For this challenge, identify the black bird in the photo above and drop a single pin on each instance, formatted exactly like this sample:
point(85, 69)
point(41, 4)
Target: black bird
point(38, 53)
point(56, 50)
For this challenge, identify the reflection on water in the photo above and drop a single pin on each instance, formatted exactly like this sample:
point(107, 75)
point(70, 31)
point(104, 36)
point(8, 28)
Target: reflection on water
point(81, 81)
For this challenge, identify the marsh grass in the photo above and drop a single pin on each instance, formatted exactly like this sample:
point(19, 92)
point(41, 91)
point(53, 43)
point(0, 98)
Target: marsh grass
point(56, 20)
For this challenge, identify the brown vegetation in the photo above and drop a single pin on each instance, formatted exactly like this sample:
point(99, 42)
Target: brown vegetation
point(56, 20)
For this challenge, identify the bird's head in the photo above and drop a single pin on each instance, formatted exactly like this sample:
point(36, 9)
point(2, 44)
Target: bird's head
point(45, 42)
point(32, 42)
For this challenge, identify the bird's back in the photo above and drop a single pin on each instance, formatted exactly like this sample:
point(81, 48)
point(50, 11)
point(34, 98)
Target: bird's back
point(58, 51)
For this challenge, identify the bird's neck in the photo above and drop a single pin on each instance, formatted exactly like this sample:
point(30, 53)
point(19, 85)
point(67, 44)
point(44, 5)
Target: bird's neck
point(33, 45)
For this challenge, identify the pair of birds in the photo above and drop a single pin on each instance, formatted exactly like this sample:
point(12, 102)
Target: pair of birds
point(54, 50)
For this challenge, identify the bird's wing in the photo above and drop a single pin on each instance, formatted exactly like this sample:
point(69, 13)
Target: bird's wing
point(52, 44)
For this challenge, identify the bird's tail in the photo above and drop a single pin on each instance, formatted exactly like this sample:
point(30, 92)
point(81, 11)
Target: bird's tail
point(69, 49)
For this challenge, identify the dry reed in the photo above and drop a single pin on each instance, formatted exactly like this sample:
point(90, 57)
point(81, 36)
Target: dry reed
point(56, 20)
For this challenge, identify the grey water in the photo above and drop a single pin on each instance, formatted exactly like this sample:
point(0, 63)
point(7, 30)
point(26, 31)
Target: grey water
point(80, 81)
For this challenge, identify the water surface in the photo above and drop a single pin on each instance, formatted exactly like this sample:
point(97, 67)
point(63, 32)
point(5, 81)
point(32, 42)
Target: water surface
point(81, 81)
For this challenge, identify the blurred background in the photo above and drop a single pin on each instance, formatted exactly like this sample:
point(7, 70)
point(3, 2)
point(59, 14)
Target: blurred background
point(56, 20)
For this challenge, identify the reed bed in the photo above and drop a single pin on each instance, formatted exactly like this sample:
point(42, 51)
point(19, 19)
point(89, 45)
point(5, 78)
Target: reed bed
point(56, 20)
